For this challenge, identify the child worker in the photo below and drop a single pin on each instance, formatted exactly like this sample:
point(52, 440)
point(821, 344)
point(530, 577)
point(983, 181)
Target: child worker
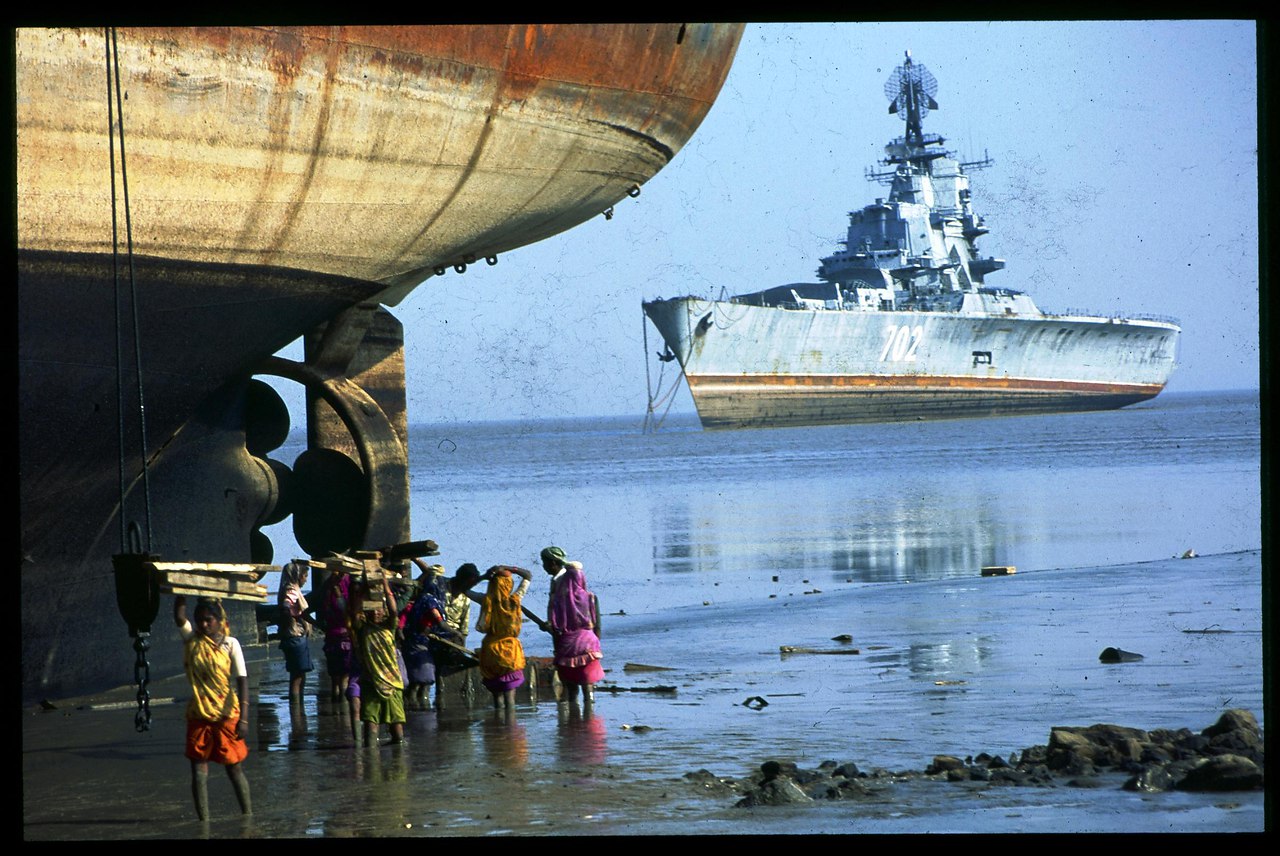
point(501, 654)
point(295, 629)
point(217, 715)
point(381, 683)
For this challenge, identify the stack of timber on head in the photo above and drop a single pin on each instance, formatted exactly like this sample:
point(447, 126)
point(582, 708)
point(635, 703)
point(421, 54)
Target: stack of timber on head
point(372, 566)
point(213, 579)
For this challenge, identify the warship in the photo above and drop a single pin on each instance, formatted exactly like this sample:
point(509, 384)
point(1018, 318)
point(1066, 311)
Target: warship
point(902, 324)
point(191, 200)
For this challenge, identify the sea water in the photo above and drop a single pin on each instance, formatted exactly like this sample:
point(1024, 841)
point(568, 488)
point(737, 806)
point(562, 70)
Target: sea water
point(683, 516)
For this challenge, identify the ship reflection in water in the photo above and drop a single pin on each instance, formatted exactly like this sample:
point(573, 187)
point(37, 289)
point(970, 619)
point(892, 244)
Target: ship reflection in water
point(837, 538)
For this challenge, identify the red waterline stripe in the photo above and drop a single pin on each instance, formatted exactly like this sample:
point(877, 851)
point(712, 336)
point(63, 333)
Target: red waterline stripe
point(920, 382)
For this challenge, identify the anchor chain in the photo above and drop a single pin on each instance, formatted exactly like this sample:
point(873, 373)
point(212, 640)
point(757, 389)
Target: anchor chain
point(142, 677)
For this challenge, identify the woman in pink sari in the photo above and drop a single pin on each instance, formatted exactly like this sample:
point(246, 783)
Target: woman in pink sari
point(574, 616)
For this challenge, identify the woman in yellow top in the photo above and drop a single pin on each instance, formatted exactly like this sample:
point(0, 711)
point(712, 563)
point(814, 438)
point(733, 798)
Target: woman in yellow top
point(501, 654)
point(217, 720)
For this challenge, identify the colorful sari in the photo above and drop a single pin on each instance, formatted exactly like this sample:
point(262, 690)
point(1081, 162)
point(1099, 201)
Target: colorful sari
point(421, 620)
point(379, 660)
point(208, 666)
point(572, 619)
point(501, 654)
point(337, 636)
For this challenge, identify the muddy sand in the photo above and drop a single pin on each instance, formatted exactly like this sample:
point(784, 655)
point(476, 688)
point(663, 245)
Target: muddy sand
point(943, 667)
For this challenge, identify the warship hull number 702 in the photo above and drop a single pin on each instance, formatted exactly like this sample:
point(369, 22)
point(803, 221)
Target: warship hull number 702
point(902, 325)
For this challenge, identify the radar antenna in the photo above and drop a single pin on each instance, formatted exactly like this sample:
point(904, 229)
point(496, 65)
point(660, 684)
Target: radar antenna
point(910, 90)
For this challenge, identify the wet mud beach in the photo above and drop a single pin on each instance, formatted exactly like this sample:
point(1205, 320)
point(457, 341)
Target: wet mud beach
point(946, 668)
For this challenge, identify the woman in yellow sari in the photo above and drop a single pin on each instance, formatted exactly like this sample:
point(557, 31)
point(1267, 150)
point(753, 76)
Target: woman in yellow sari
point(501, 654)
point(217, 715)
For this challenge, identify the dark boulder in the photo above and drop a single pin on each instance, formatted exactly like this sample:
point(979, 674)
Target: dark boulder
point(779, 790)
point(944, 764)
point(1150, 780)
point(1222, 773)
point(1234, 720)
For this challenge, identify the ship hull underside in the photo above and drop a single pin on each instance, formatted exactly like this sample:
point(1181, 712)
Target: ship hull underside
point(753, 402)
point(203, 330)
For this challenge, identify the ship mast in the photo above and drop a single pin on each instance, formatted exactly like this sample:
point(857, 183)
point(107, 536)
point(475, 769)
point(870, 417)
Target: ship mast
point(910, 90)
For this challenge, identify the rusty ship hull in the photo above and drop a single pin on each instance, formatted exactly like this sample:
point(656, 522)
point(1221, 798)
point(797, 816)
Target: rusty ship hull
point(191, 200)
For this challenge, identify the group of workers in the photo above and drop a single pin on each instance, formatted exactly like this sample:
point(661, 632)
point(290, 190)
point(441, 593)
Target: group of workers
point(383, 651)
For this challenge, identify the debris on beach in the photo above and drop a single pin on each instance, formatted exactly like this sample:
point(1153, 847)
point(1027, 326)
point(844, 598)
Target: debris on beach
point(999, 570)
point(1227, 756)
point(1115, 655)
point(843, 637)
point(1189, 554)
point(755, 703)
point(642, 667)
point(638, 729)
point(667, 690)
point(797, 649)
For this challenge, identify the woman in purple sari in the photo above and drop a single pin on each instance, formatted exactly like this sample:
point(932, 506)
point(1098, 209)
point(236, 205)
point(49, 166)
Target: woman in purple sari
point(574, 616)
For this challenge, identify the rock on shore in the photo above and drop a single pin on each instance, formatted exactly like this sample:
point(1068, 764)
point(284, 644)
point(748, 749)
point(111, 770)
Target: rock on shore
point(1227, 756)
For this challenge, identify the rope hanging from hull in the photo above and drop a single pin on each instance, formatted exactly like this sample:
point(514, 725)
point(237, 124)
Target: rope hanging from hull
point(137, 595)
point(657, 398)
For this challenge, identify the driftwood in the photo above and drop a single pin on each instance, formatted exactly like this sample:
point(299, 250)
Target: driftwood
point(617, 689)
point(641, 667)
point(793, 649)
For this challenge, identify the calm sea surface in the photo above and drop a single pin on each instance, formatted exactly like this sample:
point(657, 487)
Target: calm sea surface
point(682, 516)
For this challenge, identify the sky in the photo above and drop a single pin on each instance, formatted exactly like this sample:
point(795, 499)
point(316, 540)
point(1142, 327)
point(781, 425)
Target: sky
point(1125, 179)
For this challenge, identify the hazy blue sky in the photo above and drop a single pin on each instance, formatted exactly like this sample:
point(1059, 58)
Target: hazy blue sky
point(1125, 179)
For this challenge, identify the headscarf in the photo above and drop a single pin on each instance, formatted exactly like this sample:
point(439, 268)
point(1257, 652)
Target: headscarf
point(501, 652)
point(500, 610)
point(428, 599)
point(571, 601)
point(552, 554)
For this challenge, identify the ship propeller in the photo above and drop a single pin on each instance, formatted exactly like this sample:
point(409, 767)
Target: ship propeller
point(266, 427)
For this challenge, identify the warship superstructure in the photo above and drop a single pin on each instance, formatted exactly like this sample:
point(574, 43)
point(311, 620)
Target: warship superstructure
point(903, 324)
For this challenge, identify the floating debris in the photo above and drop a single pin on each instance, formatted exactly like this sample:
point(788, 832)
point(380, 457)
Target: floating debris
point(615, 689)
point(1115, 655)
point(641, 667)
point(755, 703)
point(1190, 554)
point(794, 649)
point(999, 570)
point(843, 637)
